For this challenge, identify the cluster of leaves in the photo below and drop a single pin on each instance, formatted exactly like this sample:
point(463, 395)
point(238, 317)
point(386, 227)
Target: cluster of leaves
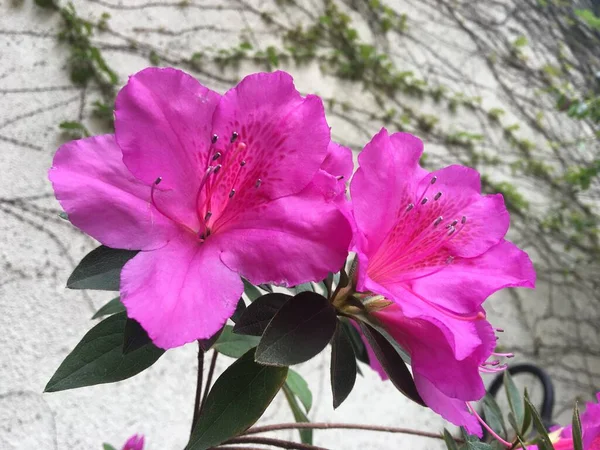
point(526, 425)
point(274, 331)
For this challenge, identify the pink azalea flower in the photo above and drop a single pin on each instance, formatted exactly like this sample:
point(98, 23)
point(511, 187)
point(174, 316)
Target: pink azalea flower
point(209, 188)
point(135, 442)
point(562, 438)
point(432, 244)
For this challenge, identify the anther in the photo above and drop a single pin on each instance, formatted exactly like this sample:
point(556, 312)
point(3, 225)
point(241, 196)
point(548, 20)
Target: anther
point(234, 136)
point(214, 138)
point(437, 221)
point(242, 163)
point(409, 207)
point(437, 196)
point(454, 222)
point(258, 183)
point(463, 220)
point(217, 168)
point(500, 330)
point(232, 193)
point(340, 177)
point(216, 156)
point(451, 231)
point(424, 201)
point(207, 216)
point(158, 180)
point(449, 259)
point(433, 180)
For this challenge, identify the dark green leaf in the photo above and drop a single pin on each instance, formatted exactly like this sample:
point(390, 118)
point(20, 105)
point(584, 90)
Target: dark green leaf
point(392, 363)
point(299, 330)
point(343, 366)
point(449, 440)
point(577, 434)
point(239, 310)
point(304, 287)
point(113, 307)
point(493, 415)
point(251, 291)
point(206, 344)
point(360, 350)
point(108, 447)
point(473, 442)
point(514, 400)
point(258, 314)
point(299, 387)
point(99, 358)
point(77, 129)
point(544, 442)
point(234, 345)
point(63, 215)
point(266, 287)
point(135, 336)
point(306, 434)
point(100, 269)
point(236, 401)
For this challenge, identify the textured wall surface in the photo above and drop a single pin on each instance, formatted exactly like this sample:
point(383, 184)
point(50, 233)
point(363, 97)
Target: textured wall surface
point(41, 321)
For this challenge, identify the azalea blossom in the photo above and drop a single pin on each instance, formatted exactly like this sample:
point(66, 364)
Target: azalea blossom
point(434, 245)
point(210, 188)
point(135, 442)
point(562, 438)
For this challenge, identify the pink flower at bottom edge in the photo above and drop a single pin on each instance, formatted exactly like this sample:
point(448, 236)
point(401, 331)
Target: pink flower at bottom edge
point(135, 442)
point(209, 188)
point(434, 245)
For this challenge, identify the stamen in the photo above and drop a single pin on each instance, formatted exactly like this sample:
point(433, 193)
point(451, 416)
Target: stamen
point(158, 180)
point(234, 136)
point(433, 180)
point(437, 221)
point(504, 355)
point(207, 216)
point(216, 156)
point(424, 201)
point(499, 330)
point(453, 224)
point(217, 168)
point(258, 183)
point(451, 231)
point(409, 207)
point(487, 427)
point(491, 363)
point(437, 196)
point(463, 220)
point(242, 163)
point(496, 369)
point(214, 138)
point(232, 193)
point(340, 177)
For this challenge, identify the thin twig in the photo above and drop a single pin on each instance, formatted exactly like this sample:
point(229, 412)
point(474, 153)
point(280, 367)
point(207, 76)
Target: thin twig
point(198, 386)
point(211, 372)
point(347, 426)
point(237, 447)
point(274, 442)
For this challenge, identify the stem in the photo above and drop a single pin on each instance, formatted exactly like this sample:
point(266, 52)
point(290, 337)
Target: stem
point(274, 442)
point(211, 372)
point(347, 426)
point(198, 386)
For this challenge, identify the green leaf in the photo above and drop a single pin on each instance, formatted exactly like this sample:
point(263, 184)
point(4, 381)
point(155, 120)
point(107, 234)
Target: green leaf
point(343, 366)
point(251, 291)
point(577, 433)
point(449, 440)
point(100, 269)
point(108, 447)
point(299, 330)
point(77, 129)
point(544, 442)
point(299, 387)
point(304, 287)
point(514, 400)
point(306, 434)
point(135, 337)
point(258, 314)
point(234, 345)
point(113, 307)
point(99, 358)
point(392, 363)
point(237, 400)
point(239, 310)
point(493, 415)
point(360, 350)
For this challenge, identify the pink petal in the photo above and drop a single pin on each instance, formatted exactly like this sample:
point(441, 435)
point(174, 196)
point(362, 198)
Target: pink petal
point(135, 442)
point(384, 184)
point(281, 141)
point(103, 199)
point(181, 292)
point(463, 285)
point(163, 122)
point(338, 161)
point(451, 409)
point(287, 241)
